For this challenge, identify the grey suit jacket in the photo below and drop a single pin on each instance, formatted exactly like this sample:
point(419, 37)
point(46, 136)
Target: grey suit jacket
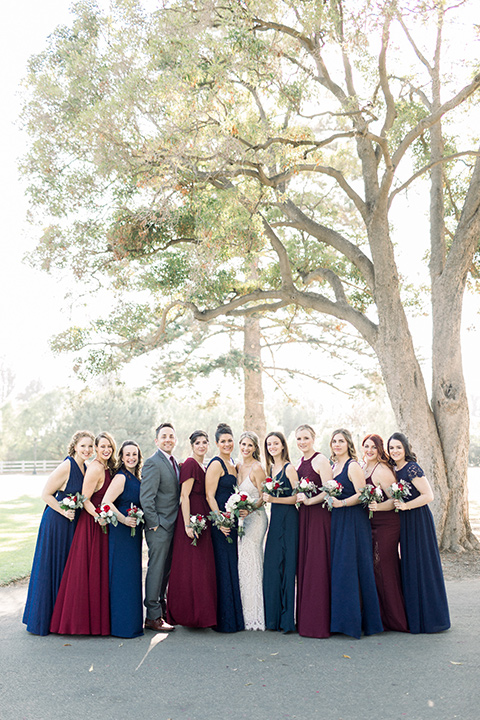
point(159, 492)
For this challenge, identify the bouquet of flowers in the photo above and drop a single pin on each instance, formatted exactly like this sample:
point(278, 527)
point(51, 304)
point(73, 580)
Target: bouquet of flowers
point(370, 493)
point(72, 501)
point(305, 486)
point(332, 489)
point(136, 513)
point(272, 487)
point(222, 519)
point(105, 512)
point(198, 523)
point(399, 491)
point(240, 501)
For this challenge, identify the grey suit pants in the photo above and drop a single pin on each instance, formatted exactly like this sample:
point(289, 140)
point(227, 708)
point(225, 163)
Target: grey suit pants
point(159, 563)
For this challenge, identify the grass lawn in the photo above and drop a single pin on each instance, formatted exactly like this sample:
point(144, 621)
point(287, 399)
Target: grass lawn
point(19, 521)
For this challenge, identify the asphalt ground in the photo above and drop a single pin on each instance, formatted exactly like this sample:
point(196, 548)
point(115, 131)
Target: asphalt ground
point(203, 675)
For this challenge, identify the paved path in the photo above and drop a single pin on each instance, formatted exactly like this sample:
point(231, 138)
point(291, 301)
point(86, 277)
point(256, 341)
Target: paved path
point(202, 675)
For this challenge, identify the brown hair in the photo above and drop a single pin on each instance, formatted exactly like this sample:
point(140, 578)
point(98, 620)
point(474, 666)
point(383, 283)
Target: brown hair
point(350, 445)
point(222, 429)
point(285, 454)
point(409, 454)
point(163, 425)
point(120, 463)
point(112, 460)
point(76, 437)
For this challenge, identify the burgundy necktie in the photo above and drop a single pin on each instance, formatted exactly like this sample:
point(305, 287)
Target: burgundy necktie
point(172, 460)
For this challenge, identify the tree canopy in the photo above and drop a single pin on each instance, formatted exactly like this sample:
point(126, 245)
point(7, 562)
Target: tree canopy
point(239, 158)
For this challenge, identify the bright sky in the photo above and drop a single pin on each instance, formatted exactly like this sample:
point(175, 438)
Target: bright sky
point(31, 301)
point(33, 306)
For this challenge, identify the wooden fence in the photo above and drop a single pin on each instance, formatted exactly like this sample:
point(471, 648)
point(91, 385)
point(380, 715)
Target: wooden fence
point(32, 467)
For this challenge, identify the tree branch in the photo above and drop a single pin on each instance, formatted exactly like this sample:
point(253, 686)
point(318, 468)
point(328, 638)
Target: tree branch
point(412, 42)
point(284, 261)
point(306, 375)
point(332, 279)
point(382, 69)
point(427, 122)
point(314, 144)
point(426, 168)
point(333, 239)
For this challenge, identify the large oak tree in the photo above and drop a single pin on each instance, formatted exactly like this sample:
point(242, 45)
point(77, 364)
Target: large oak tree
point(242, 157)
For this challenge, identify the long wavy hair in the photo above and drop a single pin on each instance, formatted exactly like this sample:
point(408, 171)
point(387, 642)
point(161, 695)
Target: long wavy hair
point(285, 454)
point(256, 444)
point(121, 464)
point(112, 460)
point(352, 453)
point(409, 454)
point(378, 442)
point(76, 437)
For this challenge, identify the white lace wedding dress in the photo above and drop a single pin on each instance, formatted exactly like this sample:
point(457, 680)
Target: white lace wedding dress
point(250, 562)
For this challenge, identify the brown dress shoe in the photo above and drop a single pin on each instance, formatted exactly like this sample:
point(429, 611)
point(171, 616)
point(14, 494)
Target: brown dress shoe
point(159, 625)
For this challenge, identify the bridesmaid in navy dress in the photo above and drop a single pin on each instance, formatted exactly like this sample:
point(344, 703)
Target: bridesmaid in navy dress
point(355, 606)
point(385, 524)
point(281, 547)
point(220, 481)
point(422, 576)
point(125, 551)
point(313, 575)
point(55, 534)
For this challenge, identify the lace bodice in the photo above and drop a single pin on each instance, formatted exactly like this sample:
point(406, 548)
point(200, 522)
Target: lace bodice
point(250, 561)
point(249, 487)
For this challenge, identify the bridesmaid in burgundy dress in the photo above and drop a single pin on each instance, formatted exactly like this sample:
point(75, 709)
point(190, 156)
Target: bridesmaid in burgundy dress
point(192, 588)
point(82, 606)
point(313, 570)
point(386, 536)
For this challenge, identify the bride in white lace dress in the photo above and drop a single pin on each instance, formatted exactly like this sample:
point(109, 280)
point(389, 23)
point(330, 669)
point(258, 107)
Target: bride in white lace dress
point(251, 476)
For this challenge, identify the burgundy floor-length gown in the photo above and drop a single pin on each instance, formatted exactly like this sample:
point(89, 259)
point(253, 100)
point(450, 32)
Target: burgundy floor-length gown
point(82, 606)
point(386, 565)
point(192, 587)
point(313, 570)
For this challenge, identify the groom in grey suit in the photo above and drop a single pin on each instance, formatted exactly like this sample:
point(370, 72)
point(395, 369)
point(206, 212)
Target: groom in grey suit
point(159, 497)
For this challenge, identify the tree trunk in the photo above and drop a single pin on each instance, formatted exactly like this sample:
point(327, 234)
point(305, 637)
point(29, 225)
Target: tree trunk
point(449, 397)
point(450, 408)
point(401, 371)
point(254, 413)
point(448, 272)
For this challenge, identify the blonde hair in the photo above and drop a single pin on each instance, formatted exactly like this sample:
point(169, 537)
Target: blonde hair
point(308, 428)
point(76, 437)
point(254, 438)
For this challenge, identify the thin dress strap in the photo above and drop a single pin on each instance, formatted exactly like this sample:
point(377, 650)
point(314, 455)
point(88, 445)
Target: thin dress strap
point(368, 477)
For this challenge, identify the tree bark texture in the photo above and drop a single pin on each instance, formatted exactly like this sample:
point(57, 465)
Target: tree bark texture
point(254, 410)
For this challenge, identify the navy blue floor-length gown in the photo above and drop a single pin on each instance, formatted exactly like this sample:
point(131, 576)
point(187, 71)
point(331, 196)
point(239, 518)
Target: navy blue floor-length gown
point(424, 591)
point(355, 605)
point(280, 563)
point(55, 536)
point(125, 567)
point(229, 601)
